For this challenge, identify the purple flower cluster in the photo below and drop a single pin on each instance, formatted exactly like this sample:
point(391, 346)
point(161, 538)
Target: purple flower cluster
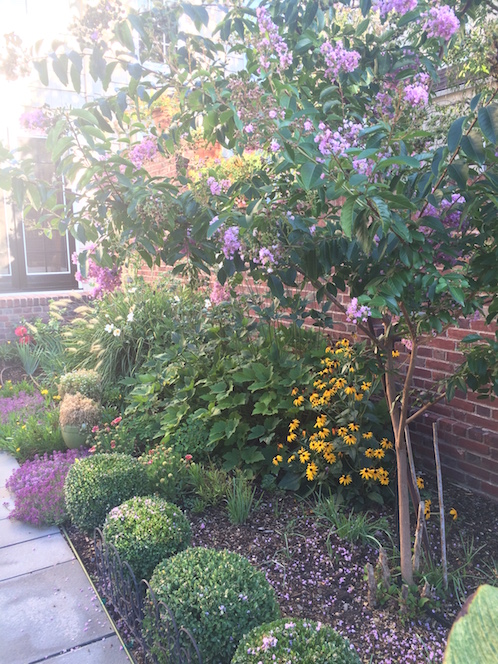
point(401, 7)
point(441, 22)
point(338, 59)
point(337, 142)
point(364, 166)
point(417, 93)
point(266, 258)
point(216, 187)
point(22, 404)
point(231, 242)
point(219, 293)
point(272, 43)
point(33, 119)
point(356, 313)
point(38, 486)
point(448, 211)
point(144, 151)
point(103, 279)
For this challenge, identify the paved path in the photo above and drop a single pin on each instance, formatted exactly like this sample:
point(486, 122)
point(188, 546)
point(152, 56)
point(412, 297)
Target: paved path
point(48, 609)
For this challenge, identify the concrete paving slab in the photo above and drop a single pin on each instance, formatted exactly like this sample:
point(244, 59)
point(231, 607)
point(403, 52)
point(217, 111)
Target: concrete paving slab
point(48, 612)
point(107, 651)
point(6, 503)
point(33, 555)
point(13, 532)
point(7, 465)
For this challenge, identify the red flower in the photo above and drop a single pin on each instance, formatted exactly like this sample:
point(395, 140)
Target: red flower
point(26, 339)
point(188, 457)
point(20, 331)
point(113, 444)
point(116, 421)
point(92, 449)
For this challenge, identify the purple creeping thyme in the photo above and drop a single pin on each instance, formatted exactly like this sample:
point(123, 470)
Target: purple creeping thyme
point(22, 404)
point(38, 486)
point(338, 59)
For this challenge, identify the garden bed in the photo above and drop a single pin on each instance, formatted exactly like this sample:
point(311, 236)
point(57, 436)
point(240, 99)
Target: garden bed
point(318, 575)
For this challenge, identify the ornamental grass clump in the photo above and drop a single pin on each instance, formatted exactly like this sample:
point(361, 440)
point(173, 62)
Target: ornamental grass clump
point(38, 486)
point(294, 642)
point(217, 595)
point(98, 483)
point(146, 530)
point(85, 381)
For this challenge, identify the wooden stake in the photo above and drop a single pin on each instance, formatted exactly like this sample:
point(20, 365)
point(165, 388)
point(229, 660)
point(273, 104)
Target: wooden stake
point(417, 549)
point(416, 502)
point(439, 476)
point(372, 586)
point(384, 568)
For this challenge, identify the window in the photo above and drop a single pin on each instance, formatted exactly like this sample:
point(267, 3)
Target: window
point(30, 260)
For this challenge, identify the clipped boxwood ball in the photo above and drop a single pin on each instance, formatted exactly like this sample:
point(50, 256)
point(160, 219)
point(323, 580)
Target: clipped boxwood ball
point(294, 642)
point(217, 595)
point(96, 484)
point(146, 530)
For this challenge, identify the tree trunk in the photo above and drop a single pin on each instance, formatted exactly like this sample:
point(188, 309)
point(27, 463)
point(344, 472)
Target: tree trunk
point(398, 417)
point(405, 545)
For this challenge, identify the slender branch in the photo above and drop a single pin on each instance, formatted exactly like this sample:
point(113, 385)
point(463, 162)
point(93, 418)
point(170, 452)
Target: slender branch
point(424, 408)
point(406, 389)
point(455, 154)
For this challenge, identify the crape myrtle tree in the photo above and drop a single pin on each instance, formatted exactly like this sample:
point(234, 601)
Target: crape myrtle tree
point(354, 194)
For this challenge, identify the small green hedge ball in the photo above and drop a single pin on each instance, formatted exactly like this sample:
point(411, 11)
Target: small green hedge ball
point(146, 530)
point(288, 641)
point(96, 484)
point(217, 595)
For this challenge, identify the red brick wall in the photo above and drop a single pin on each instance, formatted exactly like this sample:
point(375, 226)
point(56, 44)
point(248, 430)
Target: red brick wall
point(17, 308)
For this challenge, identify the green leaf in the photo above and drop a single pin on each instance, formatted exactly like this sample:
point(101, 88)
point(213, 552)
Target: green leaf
point(459, 171)
point(290, 482)
point(123, 33)
point(402, 160)
point(455, 134)
point(276, 286)
point(347, 216)
point(41, 68)
point(474, 635)
point(488, 122)
point(251, 455)
point(472, 147)
point(310, 175)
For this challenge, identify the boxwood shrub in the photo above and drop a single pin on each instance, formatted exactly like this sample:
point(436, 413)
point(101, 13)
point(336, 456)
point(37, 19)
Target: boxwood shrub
point(146, 530)
point(98, 483)
point(219, 596)
point(294, 642)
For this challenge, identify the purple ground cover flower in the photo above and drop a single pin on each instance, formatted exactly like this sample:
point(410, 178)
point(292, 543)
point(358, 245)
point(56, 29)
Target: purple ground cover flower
point(38, 486)
point(22, 404)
